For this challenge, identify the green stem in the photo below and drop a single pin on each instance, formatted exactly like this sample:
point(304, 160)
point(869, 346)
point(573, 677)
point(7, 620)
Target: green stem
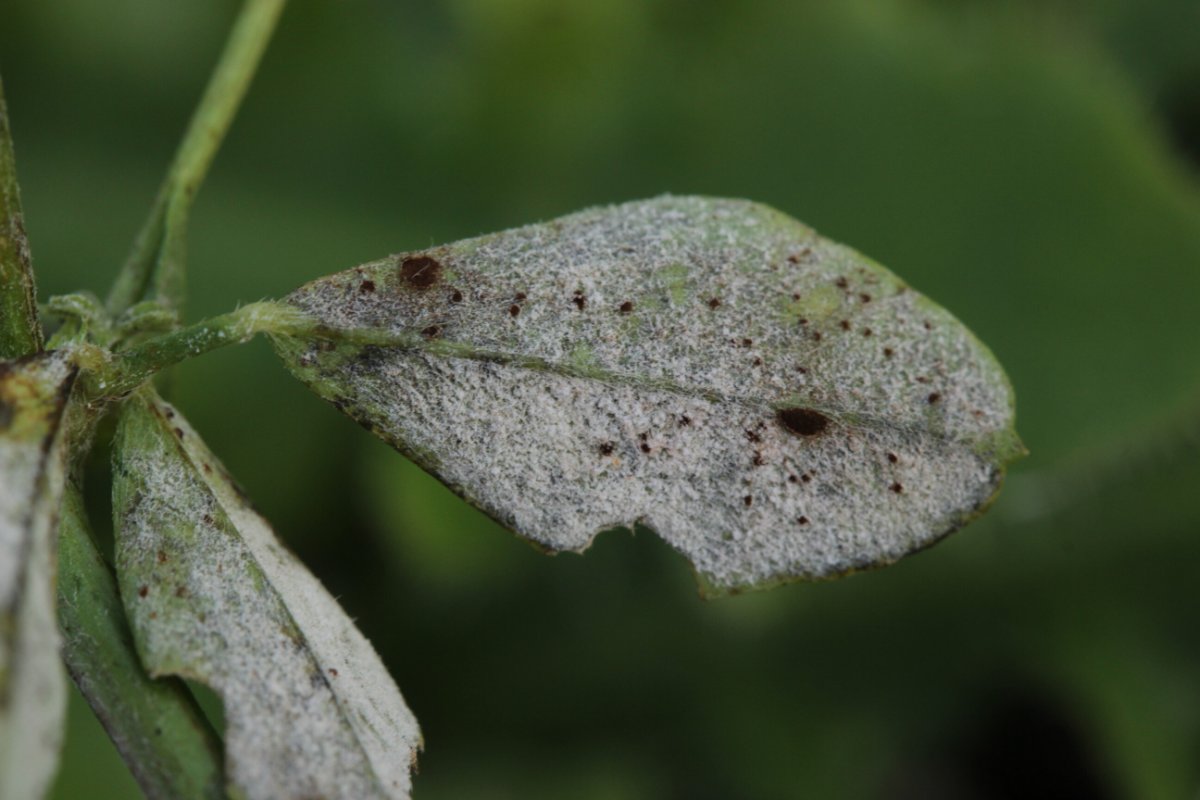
point(20, 332)
point(158, 729)
point(161, 243)
point(130, 368)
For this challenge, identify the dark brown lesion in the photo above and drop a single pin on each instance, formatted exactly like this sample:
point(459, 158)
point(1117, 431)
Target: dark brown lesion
point(420, 272)
point(802, 421)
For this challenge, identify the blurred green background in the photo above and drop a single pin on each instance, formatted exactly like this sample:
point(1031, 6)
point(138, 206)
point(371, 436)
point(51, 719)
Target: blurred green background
point(1031, 165)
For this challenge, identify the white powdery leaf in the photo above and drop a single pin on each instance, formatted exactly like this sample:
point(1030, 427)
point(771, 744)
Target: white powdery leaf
point(213, 596)
point(774, 405)
point(33, 395)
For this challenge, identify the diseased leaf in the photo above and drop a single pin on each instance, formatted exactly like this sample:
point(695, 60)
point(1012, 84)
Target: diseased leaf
point(33, 395)
point(773, 404)
point(156, 725)
point(213, 596)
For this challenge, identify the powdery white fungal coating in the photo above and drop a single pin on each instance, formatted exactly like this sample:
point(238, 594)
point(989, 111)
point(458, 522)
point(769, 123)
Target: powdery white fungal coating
point(33, 394)
point(773, 404)
point(213, 596)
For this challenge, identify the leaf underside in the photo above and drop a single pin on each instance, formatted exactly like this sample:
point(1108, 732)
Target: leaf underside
point(33, 395)
point(774, 405)
point(213, 596)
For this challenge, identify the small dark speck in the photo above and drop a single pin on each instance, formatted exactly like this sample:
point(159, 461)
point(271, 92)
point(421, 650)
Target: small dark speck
point(579, 300)
point(747, 342)
point(922, 379)
point(802, 520)
point(606, 449)
point(844, 324)
point(626, 307)
point(519, 296)
point(753, 436)
point(645, 448)
point(803, 421)
point(866, 298)
point(893, 458)
point(806, 478)
point(928, 325)
point(181, 591)
point(685, 420)
point(842, 283)
point(514, 310)
point(758, 458)
point(162, 556)
point(888, 352)
point(169, 414)
point(868, 332)
point(757, 362)
point(897, 488)
point(457, 297)
point(934, 397)
point(207, 468)
point(795, 295)
point(714, 303)
point(432, 332)
point(420, 272)
point(143, 591)
point(802, 370)
point(748, 500)
point(179, 432)
point(816, 336)
point(367, 287)
point(207, 519)
point(333, 672)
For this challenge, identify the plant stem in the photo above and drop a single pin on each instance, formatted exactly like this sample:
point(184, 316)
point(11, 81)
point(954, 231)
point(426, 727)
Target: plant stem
point(160, 245)
point(20, 332)
point(158, 729)
point(130, 368)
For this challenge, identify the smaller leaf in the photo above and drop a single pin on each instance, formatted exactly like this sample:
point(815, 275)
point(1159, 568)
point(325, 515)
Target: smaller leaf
point(33, 394)
point(213, 596)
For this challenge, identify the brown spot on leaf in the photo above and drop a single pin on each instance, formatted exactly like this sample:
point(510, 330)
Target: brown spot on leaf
point(143, 590)
point(626, 307)
point(207, 519)
point(366, 287)
point(519, 296)
point(747, 342)
point(432, 332)
point(928, 325)
point(748, 500)
point(420, 272)
point(893, 458)
point(606, 448)
point(816, 336)
point(456, 297)
point(844, 324)
point(868, 332)
point(753, 436)
point(934, 397)
point(807, 478)
point(162, 556)
point(579, 300)
point(802, 421)
point(842, 283)
point(758, 458)
point(802, 520)
point(714, 303)
point(206, 467)
point(179, 432)
point(333, 672)
point(645, 447)
point(181, 591)
point(514, 310)
point(802, 370)
point(888, 352)
point(866, 298)
point(897, 488)
point(684, 420)
point(757, 361)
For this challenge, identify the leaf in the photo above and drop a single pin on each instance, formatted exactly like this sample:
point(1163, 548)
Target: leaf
point(33, 395)
point(156, 725)
point(212, 596)
point(774, 405)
